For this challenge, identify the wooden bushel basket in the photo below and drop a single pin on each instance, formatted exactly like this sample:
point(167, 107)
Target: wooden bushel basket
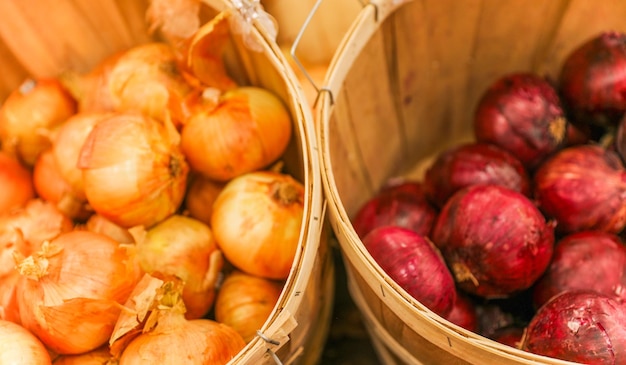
point(402, 87)
point(43, 38)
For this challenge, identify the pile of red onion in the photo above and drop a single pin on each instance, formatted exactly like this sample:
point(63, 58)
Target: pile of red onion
point(523, 229)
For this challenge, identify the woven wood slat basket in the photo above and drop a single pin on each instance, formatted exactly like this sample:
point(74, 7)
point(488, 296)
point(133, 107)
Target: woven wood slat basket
point(401, 88)
point(43, 38)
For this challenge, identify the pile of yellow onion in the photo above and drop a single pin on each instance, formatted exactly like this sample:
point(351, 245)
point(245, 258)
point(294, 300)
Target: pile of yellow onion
point(144, 217)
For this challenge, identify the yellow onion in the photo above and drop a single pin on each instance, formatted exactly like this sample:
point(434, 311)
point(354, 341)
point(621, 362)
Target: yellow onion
point(167, 337)
point(18, 346)
point(51, 187)
point(183, 247)
point(9, 307)
point(200, 196)
point(245, 302)
point(24, 230)
point(16, 183)
point(30, 113)
point(248, 130)
point(133, 170)
point(99, 356)
point(256, 221)
point(71, 290)
point(67, 145)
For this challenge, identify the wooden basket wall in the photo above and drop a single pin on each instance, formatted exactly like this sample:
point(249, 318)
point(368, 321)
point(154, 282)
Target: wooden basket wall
point(43, 38)
point(401, 88)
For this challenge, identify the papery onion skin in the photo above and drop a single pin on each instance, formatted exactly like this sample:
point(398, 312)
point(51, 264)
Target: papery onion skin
point(184, 247)
point(414, 263)
point(403, 205)
point(18, 346)
point(256, 221)
point(16, 183)
point(248, 130)
point(98, 224)
point(471, 164)
point(494, 239)
point(23, 230)
point(66, 147)
point(579, 326)
point(521, 113)
point(70, 296)
point(133, 170)
point(589, 260)
point(174, 339)
point(30, 113)
point(245, 302)
point(583, 188)
point(593, 79)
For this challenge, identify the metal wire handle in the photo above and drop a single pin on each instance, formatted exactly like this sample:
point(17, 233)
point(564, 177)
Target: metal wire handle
point(296, 42)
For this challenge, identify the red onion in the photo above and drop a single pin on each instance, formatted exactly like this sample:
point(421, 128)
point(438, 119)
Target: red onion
point(494, 239)
point(590, 260)
point(471, 164)
point(522, 113)
point(584, 188)
point(511, 336)
point(403, 205)
point(415, 264)
point(464, 313)
point(585, 327)
point(593, 79)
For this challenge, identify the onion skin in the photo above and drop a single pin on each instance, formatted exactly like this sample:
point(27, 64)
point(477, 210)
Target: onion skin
point(9, 307)
point(18, 346)
point(133, 170)
point(71, 290)
point(593, 80)
point(494, 239)
point(521, 113)
point(583, 188)
point(579, 326)
point(589, 260)
point(256, 222)
point(414, 263)
point(403, 205)
point(16, 182)
point(248, 130)
point(471, 164)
